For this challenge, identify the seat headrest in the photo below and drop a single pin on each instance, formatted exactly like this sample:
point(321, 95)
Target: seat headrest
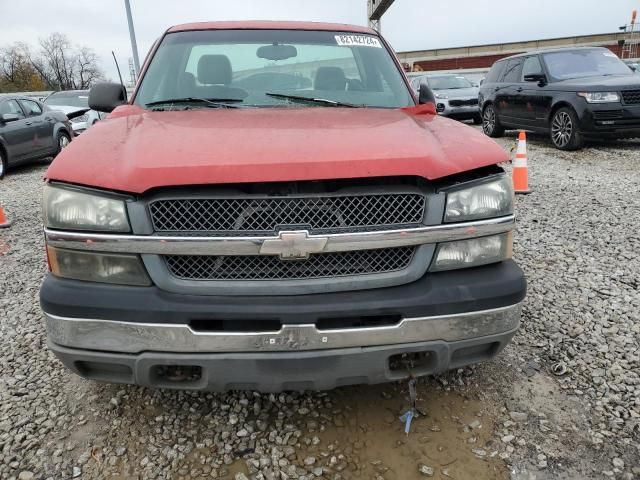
point(214, 70)
point(330, 78)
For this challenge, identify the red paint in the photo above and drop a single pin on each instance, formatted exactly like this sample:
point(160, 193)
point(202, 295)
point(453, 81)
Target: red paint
point(135, 150)
point(271, 25)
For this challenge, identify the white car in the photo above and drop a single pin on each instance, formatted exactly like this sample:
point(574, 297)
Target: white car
point(69, 102)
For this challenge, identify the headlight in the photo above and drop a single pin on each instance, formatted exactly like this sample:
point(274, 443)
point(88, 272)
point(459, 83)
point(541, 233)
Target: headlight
point(80, 119)
point(600, 97)
point(441, 95)
point(65, 208)
point(485, 200)
point(473, 252)
point(97, 267)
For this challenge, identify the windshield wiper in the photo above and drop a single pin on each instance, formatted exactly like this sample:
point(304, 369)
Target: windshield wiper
point(208, 102)
point(322, 101)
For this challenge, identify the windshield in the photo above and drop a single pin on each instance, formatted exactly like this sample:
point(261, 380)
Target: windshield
point(448, 82)
point(63, 99)
point(247, 67)
point(584, 63)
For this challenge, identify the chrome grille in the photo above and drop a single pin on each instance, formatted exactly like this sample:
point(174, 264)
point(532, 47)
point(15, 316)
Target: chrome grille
point(258, 267)
point(259, 215)
point(631, 97)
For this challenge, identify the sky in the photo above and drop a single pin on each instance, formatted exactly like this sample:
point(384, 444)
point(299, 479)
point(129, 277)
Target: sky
point(408, 24)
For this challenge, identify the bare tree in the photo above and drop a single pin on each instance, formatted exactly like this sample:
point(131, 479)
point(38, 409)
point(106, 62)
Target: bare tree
point(16, 71)
point(57, 65)
point(64, 67)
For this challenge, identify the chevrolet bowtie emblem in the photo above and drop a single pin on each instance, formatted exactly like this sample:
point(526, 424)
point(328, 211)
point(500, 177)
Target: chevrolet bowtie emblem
point(295, 245)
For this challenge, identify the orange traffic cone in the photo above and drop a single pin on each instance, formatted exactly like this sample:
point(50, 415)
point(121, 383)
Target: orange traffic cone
point(4, 221)
point(520, 170)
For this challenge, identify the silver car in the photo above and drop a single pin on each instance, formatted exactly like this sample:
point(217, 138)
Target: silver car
point(71, 101)
point(456, 96)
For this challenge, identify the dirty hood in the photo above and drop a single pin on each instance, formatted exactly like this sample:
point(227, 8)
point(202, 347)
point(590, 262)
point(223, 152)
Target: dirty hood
point(135, 150)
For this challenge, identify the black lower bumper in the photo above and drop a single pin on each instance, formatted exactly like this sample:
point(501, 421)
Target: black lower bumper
point(138, 334)
point(444, 293)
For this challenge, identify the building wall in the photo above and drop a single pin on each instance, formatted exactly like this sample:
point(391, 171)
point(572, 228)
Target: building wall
point(483, 56)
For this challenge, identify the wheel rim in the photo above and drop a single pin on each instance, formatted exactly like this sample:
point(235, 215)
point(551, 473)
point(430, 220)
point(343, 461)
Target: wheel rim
point(63, 142)
point(561, 129)
point(488, 120)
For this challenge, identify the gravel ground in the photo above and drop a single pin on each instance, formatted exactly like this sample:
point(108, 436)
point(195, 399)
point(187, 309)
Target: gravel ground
point(562, 401)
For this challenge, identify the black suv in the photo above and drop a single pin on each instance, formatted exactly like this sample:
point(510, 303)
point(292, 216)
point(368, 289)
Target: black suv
point(572, 93)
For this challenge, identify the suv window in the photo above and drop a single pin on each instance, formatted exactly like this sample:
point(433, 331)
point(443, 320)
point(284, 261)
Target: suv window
point(531, 66)
point(11, 106)
point(512, 72)
point(32, 108)
point(495, 72)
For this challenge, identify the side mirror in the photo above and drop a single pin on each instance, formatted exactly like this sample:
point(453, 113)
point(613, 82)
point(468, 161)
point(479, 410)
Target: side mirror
point(536, 77)
point(9, 117)
point(426, 95)
point(105, 97)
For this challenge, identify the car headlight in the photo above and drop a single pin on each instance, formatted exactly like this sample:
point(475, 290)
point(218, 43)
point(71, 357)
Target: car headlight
point(473, 252)
point(441, 95)
point(69, 209)
point(600, 97)
point(121, 269)
point(484, 200)
point(80, 119)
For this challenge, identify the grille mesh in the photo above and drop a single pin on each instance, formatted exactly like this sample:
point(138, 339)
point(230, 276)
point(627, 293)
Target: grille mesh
point(463, 103)
point(631, 97)
point(266, 215)
point(360, 262)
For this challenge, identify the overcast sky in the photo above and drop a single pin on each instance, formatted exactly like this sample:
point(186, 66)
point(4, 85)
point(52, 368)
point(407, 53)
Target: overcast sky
point(408, 25)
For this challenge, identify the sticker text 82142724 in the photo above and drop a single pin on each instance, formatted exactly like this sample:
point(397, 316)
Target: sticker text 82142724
point(358, 41)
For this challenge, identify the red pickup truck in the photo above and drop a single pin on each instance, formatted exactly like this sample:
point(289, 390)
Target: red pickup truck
point(274, 209)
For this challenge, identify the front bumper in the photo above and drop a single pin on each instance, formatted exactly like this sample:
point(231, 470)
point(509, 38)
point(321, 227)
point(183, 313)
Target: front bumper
point(611, 121)
point(125, 334)
point(465, 112)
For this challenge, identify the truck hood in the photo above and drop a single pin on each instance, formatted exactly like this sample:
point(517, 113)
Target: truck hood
point(135, 150)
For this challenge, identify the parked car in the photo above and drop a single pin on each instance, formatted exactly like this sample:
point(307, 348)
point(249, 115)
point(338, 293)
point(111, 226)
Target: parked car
point(570, 93)
point(69, 101)
point(276, 236)
point(29, 131)
point(456, 96)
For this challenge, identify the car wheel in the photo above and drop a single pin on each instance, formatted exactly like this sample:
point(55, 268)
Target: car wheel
point(63, 141)
point(490, 122)
point(3, 164)
point(477, 120)
point(565, 133)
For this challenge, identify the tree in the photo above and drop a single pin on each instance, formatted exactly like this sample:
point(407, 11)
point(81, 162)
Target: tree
point(16, 71)
point(57, 65)
point(64, 67)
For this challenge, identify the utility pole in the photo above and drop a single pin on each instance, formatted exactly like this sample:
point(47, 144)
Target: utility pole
point(376, 9)
point(132, 34)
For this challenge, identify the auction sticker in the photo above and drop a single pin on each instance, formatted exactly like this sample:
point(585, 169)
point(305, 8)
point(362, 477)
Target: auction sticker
point(358, 41)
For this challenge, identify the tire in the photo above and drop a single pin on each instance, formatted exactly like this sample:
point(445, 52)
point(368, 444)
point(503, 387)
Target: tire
point(3, 163)
point(564, 130)
point(63, 141)
point(477, 120)
point(491, 123)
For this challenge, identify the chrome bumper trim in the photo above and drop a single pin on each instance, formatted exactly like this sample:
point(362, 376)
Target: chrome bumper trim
point(128, 337)
point(338, 242)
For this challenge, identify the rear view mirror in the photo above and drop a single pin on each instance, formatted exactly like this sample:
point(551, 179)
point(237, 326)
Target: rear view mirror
point(277, 52)
point(9, 117)
point(104, 97)
point(426, 95)
point(535, 77)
